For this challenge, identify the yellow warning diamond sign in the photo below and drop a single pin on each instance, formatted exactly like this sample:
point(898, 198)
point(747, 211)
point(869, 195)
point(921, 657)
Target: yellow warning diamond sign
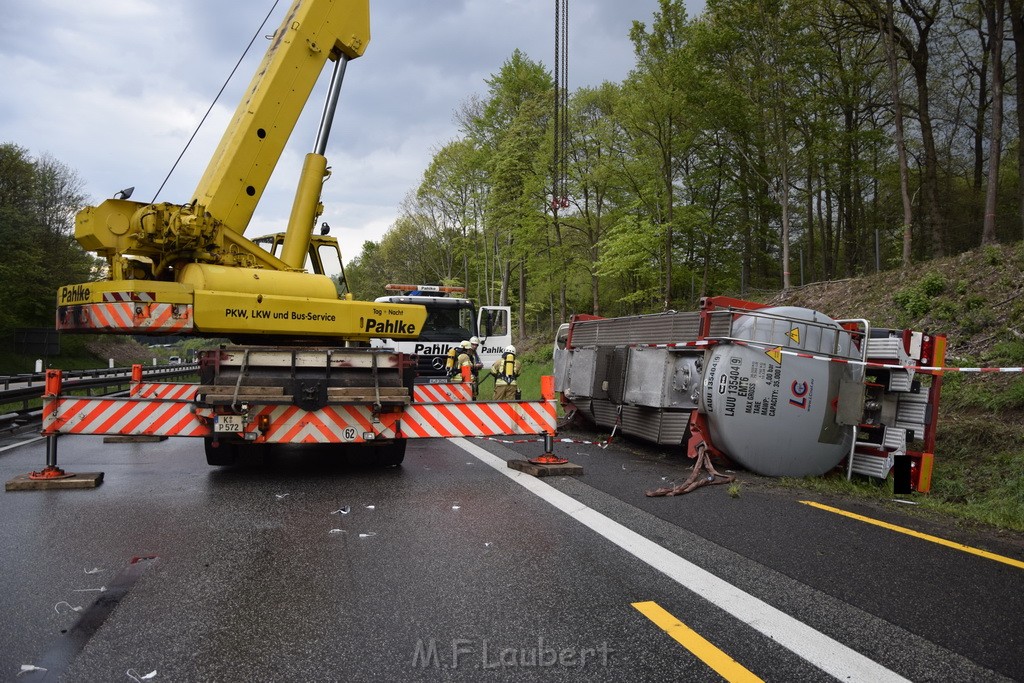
point(794, 334)
point(775, 354)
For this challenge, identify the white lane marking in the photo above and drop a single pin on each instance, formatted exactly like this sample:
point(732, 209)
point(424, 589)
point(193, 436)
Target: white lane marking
point(22, 443)
point(827, 654)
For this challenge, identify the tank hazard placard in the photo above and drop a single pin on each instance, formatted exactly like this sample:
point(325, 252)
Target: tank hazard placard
point(751, 383)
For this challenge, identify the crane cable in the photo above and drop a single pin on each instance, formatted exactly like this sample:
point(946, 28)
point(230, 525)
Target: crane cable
point(214, 102)
point(559, 195)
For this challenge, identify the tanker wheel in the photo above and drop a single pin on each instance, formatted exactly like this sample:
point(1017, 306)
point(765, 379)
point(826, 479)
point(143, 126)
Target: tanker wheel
point(392, 454)
point(224, 454)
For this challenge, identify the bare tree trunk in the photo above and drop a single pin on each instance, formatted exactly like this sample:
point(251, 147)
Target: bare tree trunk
point(994, 14)
point(1017, 24)
point(506, 274)
point(522, 301)
point(748, 242)
point(668, 239)
point(901, 147)
point(919, 54)
point(809, 235)
point(784, 201)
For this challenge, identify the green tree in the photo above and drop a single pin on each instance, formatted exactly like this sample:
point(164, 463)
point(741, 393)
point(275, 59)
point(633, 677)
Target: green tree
point(39, 198)
point(509, 127)
point(454, 190)
point(654, 114)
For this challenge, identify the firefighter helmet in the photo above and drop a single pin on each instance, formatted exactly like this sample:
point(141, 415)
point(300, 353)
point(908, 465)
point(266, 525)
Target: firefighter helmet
point(510, 349)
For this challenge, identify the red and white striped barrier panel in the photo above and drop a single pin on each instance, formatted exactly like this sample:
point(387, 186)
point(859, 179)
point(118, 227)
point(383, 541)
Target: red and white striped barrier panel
point(442, 393)
point(146, 297)
point(482, 418)
point(143, 317)
point(165, 390)
point(290, 424)
point(128, 416)
point(355, 423)
point(168, 409)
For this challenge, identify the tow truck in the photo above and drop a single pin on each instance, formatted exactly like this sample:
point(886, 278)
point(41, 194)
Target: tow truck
point(299, 368)
point(451, 319)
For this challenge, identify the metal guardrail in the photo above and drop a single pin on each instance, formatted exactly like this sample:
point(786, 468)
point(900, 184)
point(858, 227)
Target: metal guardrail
point(35, 385)
point(32, 378)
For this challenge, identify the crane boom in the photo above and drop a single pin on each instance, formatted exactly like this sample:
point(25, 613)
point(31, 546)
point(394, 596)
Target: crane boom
point(311, 33)
point(174, 269)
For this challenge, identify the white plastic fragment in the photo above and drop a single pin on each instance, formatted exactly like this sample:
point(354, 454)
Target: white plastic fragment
point(25, 668)
point(281, 495)
point(456, 507)
point(342, 511)
point(101, 589)
point(137, 677)
point(337, 531)
point(371, 507)
point(70, 607)
point(367, 534)
point(94, 570)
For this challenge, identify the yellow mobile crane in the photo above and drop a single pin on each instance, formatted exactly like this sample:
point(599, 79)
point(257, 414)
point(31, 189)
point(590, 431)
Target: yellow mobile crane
point(305, 371)
point(188, 269)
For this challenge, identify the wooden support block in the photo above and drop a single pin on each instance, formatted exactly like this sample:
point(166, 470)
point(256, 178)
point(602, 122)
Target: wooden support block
point(542, 470)
point(134, 438)
point(81, 480)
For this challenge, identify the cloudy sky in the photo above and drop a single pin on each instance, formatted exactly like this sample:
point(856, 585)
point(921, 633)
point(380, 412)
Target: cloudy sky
point(114, 89)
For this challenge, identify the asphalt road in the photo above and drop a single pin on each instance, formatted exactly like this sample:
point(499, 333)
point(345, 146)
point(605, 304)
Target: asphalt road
point(454, 567)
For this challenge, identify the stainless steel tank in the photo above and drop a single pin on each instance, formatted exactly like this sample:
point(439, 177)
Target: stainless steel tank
point(774, 413)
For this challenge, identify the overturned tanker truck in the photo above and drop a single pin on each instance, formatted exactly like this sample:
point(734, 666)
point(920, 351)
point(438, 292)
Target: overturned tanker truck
point(781, 391)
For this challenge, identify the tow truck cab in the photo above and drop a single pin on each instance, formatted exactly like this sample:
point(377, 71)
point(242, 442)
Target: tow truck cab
point(450, 321)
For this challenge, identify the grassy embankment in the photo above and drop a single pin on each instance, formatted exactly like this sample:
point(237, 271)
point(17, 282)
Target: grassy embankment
point(976, 299)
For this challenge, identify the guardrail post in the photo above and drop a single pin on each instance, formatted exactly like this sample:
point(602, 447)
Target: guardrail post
point(136, 383)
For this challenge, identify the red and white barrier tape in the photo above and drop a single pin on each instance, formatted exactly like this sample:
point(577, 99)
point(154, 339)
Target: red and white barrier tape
point(799, 354)
point(601, 444)
point(868, 364)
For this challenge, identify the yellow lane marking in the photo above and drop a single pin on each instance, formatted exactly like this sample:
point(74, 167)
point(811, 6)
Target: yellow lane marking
point(910, 532)
point(727, 667)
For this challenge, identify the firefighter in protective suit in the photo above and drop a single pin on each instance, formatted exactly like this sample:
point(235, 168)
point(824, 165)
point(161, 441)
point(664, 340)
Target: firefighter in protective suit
point(463, 371)
point(506, 371)
point(451, 361)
